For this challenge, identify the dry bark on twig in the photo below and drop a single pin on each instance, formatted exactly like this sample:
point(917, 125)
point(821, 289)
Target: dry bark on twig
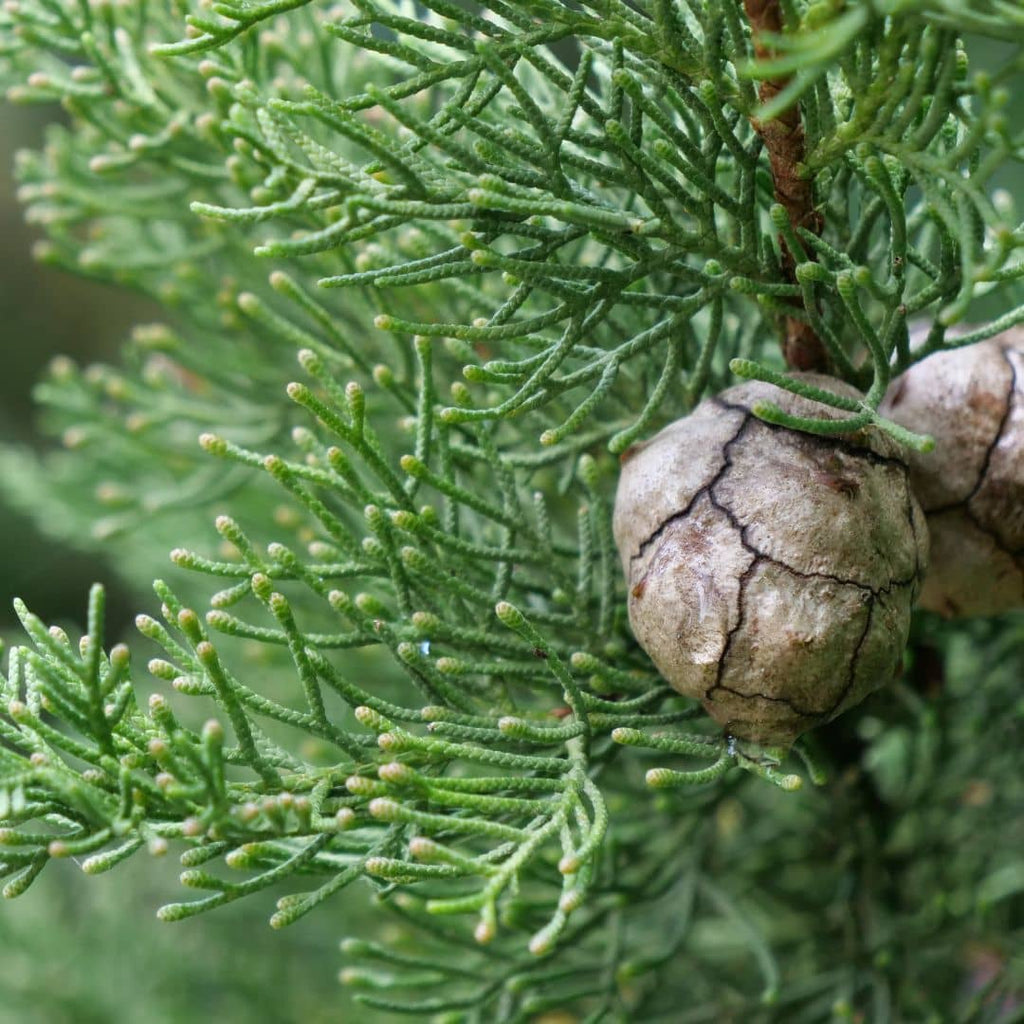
point(784, 139)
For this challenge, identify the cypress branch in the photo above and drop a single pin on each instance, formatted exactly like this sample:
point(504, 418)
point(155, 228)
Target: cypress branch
point(427, 272)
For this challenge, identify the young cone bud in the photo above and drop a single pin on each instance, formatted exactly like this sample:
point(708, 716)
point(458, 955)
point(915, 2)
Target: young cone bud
point(771, 573)
point(971, 486)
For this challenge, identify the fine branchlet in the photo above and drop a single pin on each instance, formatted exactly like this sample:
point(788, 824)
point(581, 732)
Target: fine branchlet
point(428, 270)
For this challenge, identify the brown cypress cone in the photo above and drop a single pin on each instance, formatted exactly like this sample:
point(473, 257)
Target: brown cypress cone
point(971, 486)
point(771, 573)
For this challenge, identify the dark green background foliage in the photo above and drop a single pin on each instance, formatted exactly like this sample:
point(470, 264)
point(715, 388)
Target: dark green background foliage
point(570, 226)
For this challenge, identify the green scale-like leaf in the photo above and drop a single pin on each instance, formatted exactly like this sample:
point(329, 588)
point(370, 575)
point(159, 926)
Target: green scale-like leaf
point(494, 246)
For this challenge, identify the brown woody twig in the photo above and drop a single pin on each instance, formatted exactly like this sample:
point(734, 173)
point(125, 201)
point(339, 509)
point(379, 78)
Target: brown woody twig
point(784, 139)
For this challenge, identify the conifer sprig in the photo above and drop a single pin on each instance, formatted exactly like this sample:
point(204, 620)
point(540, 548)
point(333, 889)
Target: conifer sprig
point(503, 243)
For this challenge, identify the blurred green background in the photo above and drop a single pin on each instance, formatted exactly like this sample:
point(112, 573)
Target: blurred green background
point(44, 312)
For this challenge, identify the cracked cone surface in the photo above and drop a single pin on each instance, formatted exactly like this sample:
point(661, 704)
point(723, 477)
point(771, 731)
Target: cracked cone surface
point(771, 573)
point(971, 486)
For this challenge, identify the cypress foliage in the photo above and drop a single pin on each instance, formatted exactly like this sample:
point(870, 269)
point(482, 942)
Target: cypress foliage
point(428, 270)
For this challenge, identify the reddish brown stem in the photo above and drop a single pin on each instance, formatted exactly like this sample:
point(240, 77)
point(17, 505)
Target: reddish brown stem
point(784, 139)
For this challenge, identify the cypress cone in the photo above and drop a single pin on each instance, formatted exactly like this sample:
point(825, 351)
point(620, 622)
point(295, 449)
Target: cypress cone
point(971, 486)
point(771, 573)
